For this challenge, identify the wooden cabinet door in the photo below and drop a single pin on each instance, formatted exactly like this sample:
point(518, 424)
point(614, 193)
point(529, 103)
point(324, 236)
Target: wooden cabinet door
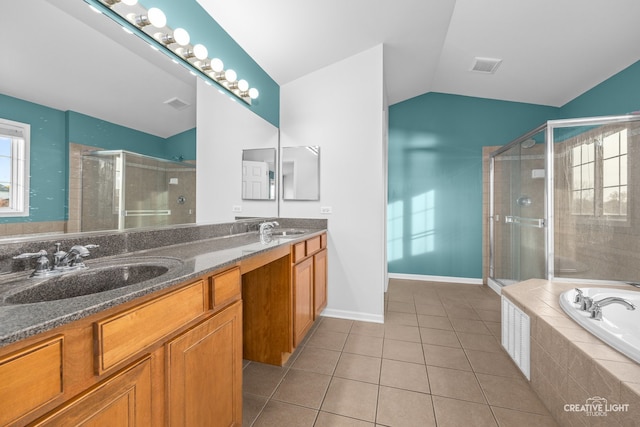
point(303, 310)
point(320, 281)
point(204, 375)
point(122, 400)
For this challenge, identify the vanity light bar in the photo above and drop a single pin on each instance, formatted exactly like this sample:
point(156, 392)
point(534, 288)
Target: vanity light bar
point(153, 24)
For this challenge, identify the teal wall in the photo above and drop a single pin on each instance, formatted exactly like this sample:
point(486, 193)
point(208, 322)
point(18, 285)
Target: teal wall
point(435, 178)
point(48, 161)
point(619, 94)
point(435, 168)
point(52, 129)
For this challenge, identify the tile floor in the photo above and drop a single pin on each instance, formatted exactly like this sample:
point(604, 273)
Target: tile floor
point(436, 361)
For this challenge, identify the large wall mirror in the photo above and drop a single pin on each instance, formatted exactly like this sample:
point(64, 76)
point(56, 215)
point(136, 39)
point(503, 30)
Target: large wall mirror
point(259, 174)
point(301, 173)
point(77, 78)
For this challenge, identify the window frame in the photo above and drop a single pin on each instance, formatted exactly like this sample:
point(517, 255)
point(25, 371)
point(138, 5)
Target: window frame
point(20, 162)
point(598, 178)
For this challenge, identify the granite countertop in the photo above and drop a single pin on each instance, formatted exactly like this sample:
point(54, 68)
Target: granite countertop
point(184, 261)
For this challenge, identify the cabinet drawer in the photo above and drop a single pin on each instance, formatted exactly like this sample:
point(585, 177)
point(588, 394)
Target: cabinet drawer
point(313, 245)
point(299, 252)
point(30, 378)
point(123, 335)
point(225, 287)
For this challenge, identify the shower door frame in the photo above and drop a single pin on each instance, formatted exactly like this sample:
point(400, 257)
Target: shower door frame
point(492, 157)
point(549, 225)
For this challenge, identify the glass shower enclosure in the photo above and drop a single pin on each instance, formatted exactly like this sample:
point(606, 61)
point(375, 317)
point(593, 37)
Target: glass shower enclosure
point(122, 190)
point(565, 203)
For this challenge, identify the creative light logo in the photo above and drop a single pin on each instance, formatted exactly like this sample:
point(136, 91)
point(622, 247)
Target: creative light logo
point(596, 407)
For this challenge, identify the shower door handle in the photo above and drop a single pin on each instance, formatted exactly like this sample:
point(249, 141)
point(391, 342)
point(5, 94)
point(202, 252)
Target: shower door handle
point(525, 222)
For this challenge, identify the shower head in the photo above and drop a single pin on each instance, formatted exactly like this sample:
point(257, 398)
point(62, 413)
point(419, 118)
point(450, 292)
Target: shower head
point(528, 143)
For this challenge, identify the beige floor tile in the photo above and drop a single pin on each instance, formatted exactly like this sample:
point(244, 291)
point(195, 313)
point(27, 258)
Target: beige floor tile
point(280, 414)
point(251, 407)
point(458, 413)
point(434, 322)
point(302, 388)
point(401, 307)
point(479, 342)
point(403, 350)
point(430, 309)
point(495, 328)
point(470, 326)
point(328, 340)
point(317, 360)
point(404, 408)
point(395, 318)
point(439, 337)
point(462, 313)
point(404, 375)
point(489, 315)
point(359, 368)
point(261, 379)
point(455, 384)
point(365, 345)
point(510, 393)
point(511, 418)
point(335, 325)
point(488, 303)
point(446, 357)
point(350, 398)
point(492, 363)
point(402, 333)
point(368, 328)
point(326, 419)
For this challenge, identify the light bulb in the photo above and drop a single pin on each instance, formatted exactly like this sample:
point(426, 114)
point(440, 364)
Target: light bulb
point(156, 17)
point(230, 76)
point(217, 65)
point(200, 52)
point(243, 85)
point(129, 2)
point(253, 93)
point(181, 36)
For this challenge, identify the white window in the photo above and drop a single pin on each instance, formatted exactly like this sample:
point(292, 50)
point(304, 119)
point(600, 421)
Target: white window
point(14, 168)
point(599, 176)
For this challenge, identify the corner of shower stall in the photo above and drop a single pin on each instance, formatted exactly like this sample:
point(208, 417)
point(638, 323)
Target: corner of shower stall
point(564, 203)
point(123, 190)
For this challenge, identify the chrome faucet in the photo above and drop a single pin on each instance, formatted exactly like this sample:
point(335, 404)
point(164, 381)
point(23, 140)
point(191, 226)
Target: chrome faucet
point(265, 230)
point(584, 301)
point(62, 261)
point(596, 308)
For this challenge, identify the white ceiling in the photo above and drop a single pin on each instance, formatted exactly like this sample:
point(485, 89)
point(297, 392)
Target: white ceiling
point(70, 58)
point(552, 50)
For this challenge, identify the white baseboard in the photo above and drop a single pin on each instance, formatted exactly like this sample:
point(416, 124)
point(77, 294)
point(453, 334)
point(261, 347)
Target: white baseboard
point(445, 279)
point(353, 315)
point(494, 285)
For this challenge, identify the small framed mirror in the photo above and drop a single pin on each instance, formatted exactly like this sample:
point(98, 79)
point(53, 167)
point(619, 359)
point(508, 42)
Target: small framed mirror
point(259, 174)
point(301, 173)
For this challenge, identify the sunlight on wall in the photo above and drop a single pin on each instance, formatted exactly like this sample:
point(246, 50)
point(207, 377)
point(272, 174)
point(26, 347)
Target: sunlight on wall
point(422, 223)
point(394, 230)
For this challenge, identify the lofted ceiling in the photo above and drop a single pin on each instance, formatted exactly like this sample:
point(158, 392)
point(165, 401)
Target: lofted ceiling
point(552, 50)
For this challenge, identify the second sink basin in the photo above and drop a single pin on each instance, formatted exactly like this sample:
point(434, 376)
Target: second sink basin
point(95, 279)
point(287, 231)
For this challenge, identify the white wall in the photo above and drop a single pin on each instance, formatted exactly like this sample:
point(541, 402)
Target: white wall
point(341, 109)
point(224, 129)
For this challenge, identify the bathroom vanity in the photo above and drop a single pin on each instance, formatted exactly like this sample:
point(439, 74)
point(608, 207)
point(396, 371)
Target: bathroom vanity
point(169, 350)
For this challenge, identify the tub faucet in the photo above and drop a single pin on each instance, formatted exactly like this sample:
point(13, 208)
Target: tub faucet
point(584, 301)
point(596, 308)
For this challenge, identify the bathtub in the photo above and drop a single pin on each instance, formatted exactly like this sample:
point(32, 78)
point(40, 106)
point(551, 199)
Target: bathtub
point(619, 327)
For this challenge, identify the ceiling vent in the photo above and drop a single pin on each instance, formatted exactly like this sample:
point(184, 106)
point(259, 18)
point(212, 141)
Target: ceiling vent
point(177, 103)
point(486, 65)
